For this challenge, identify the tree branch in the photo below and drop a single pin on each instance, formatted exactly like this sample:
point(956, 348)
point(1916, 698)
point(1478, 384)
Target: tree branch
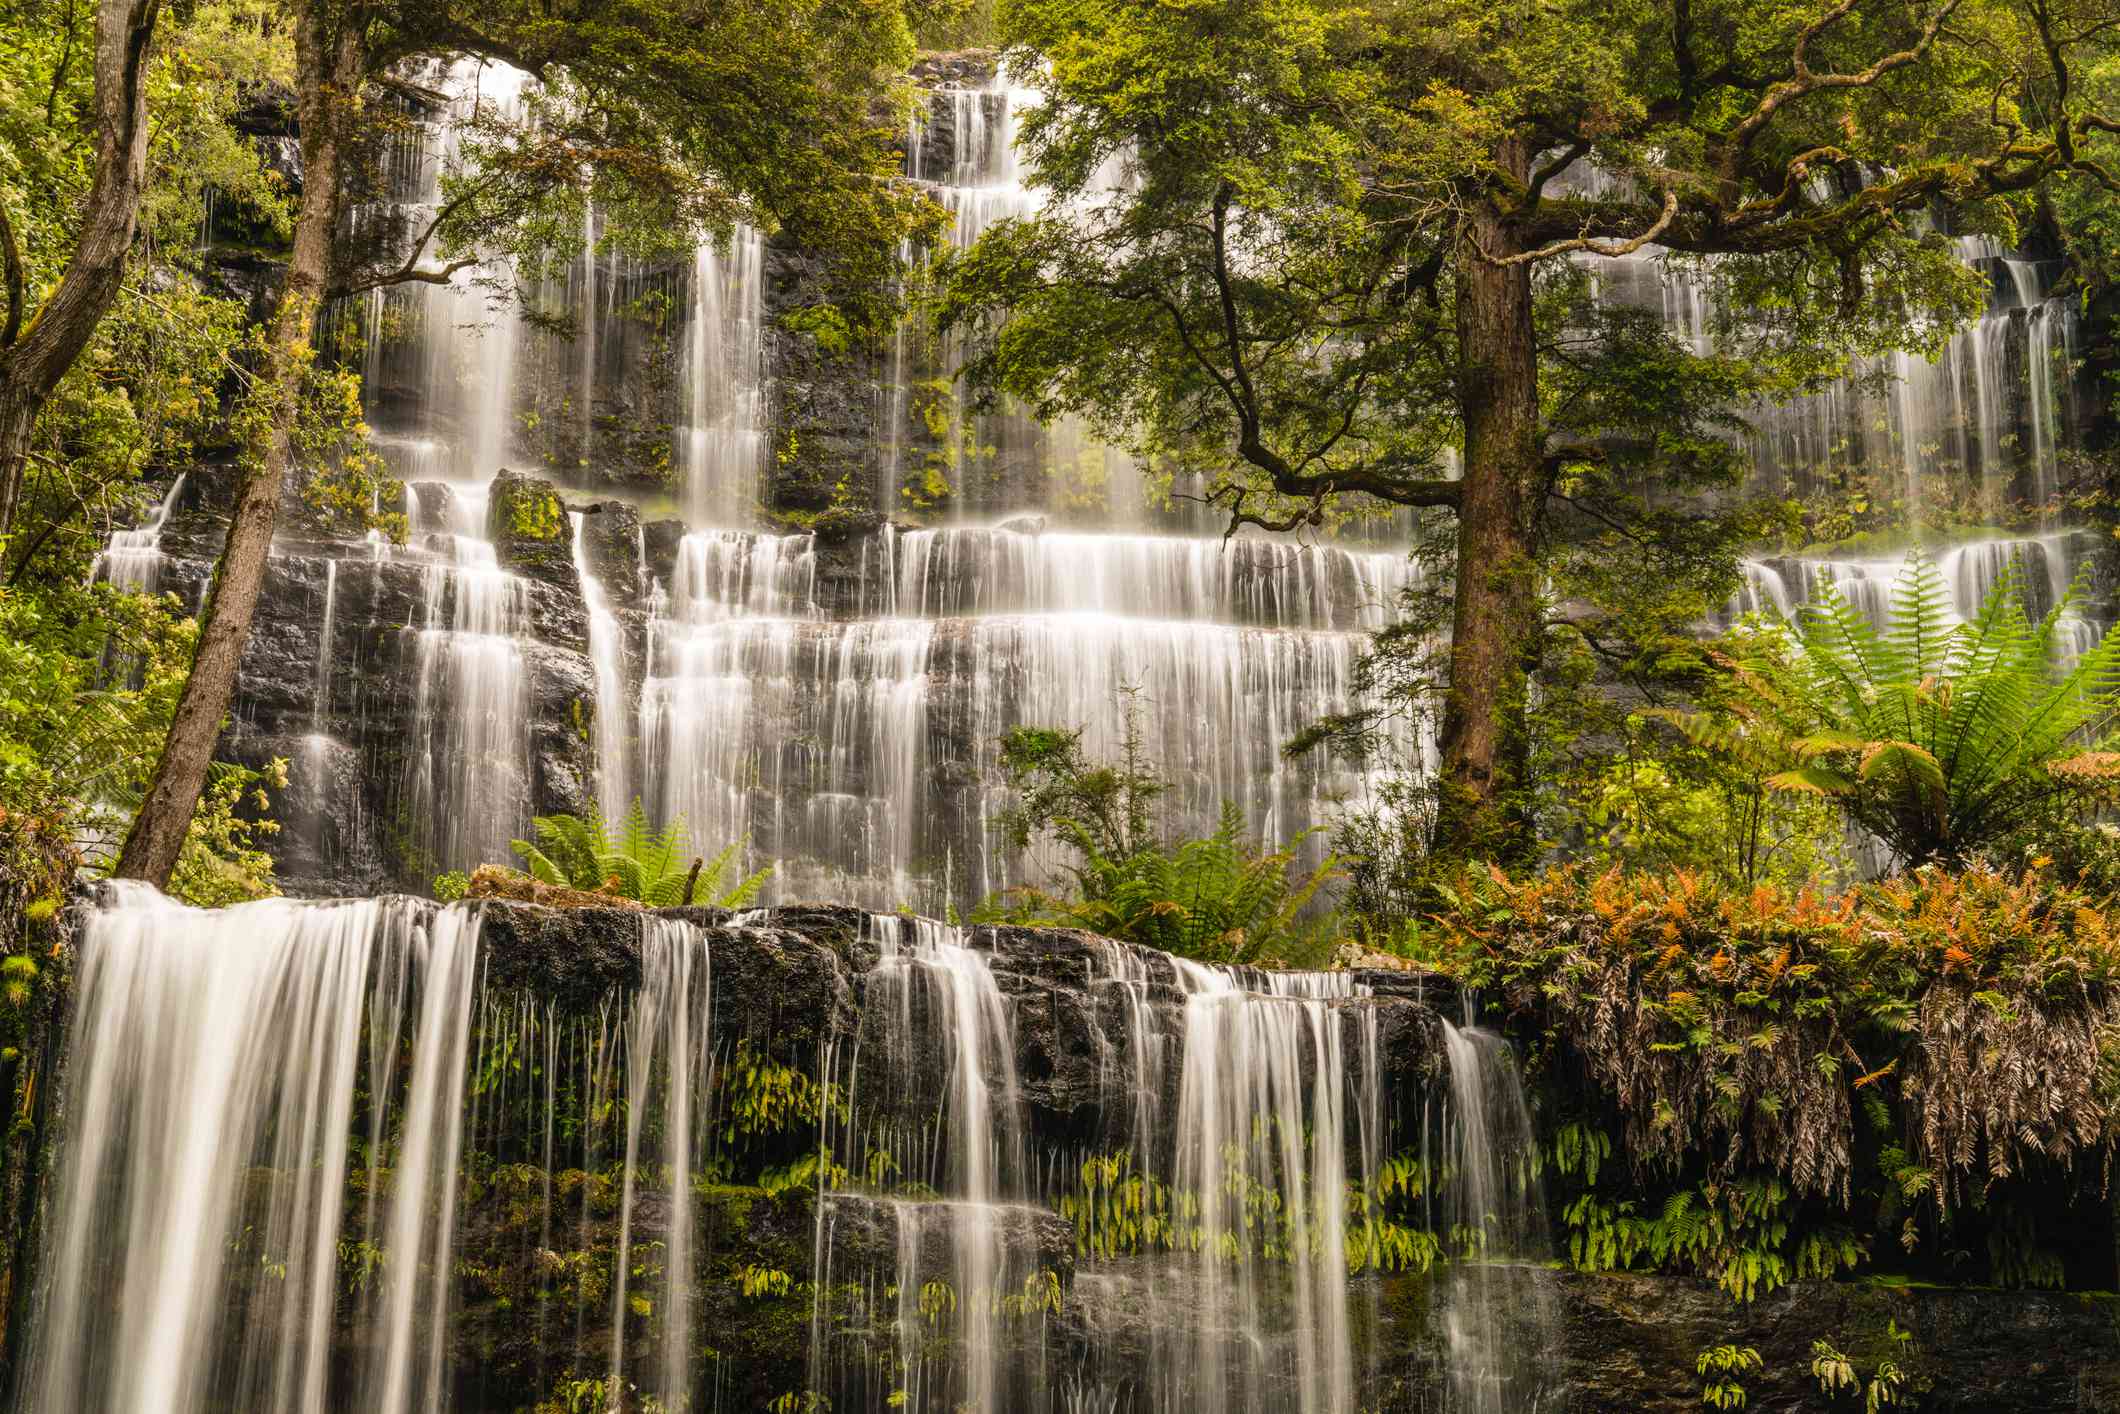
point(409, 272)
point(1609, 249)
point(1567, 158)
point(1804, 82)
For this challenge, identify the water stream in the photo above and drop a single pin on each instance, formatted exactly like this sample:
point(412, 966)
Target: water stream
point(317, 1156)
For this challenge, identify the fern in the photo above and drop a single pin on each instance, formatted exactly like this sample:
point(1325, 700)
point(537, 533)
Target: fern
point(1217, 898)
point(1938, 737)
point(635, 860)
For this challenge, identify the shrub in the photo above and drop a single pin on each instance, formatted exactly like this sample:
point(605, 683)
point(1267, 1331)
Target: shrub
point(1218, 899)
point(1923, 1071)
point(1750, 1026)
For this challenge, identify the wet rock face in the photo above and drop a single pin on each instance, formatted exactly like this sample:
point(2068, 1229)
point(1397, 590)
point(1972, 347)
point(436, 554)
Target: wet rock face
point(528, 526)
point(1632, 1344)
point(794, 984)
point(821, 400)
point(612, 546)
point(330, 677)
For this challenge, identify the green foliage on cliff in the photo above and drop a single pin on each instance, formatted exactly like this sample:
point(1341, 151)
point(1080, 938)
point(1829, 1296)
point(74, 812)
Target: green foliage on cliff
point(146, 392)
point(88, 678)
point(1218, 899)
point(529, 510)
point(1221, 898)
point(1793, 1081)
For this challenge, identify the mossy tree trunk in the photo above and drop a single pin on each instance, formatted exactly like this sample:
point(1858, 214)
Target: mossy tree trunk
point(330, 61)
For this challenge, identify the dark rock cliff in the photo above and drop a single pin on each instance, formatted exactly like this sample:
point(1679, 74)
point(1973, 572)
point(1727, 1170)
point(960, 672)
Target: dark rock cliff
point(792, 983)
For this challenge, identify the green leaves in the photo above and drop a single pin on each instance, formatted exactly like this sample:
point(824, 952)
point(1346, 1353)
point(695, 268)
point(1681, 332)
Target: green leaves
point(1938, 737)
point(634, 861)
point(1219, 899)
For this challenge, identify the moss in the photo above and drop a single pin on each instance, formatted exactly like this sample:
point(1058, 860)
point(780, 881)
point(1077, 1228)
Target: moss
point(534, 513)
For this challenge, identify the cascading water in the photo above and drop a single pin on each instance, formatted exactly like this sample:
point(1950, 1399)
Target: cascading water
point(133, 558)
point(1988, 414)
point(1262, 1111)
point(845, 722)
point(614, 775)
point(723, 443)
point(1989, 408)
point(319, 1155)
point(457, 343)
point(2046, 567)
point(667, 1041)
point(939, 1071)
point(469, 774)
point(860, 757)
point(212, 1098)
point(1498, 1322)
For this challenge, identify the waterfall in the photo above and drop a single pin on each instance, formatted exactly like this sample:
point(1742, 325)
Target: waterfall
point(839, 706)
point(733, 574)
point(1496, 1365)
point(607, 658)
point(1253, 580)
point(318, 747)
point(374, 1154)
point(133, 558)
point(1990, 407)
point(1276, 1115)
point(320, 691)
point(821, 739)
point(723, 444)
point(2046, 566)
point(1263, 1108)
point(957, 1128)
point(591, 311)
point(982, 187)
point(470, 765)
point(666, 1038)
point(861, 757)
point(2051, 333)
point(206, 1043)
point(466, 787)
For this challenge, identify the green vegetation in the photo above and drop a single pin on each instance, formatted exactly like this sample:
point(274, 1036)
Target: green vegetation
point(634, 860)
point(1939, 739)
point(530, 511)
point(1757, 1085)
point(1219, 899)
point(1887, 1385)
point(1347, 274)
point(1719, 1366)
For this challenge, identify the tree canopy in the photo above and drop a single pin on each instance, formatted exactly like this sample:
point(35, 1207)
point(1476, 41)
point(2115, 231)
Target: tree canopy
point(1335, 255)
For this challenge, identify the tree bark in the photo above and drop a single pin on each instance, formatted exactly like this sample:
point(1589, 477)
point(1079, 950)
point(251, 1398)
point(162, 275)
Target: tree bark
point(1482, 810)
point(329, 67)
point(36, 350)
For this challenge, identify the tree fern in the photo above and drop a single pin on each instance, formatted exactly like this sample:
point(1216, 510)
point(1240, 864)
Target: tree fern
point(1937, 736)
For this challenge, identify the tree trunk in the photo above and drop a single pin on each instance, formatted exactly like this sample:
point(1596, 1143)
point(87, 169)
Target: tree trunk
point(329, 70)
point(1482, 807)
point(37, 349)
